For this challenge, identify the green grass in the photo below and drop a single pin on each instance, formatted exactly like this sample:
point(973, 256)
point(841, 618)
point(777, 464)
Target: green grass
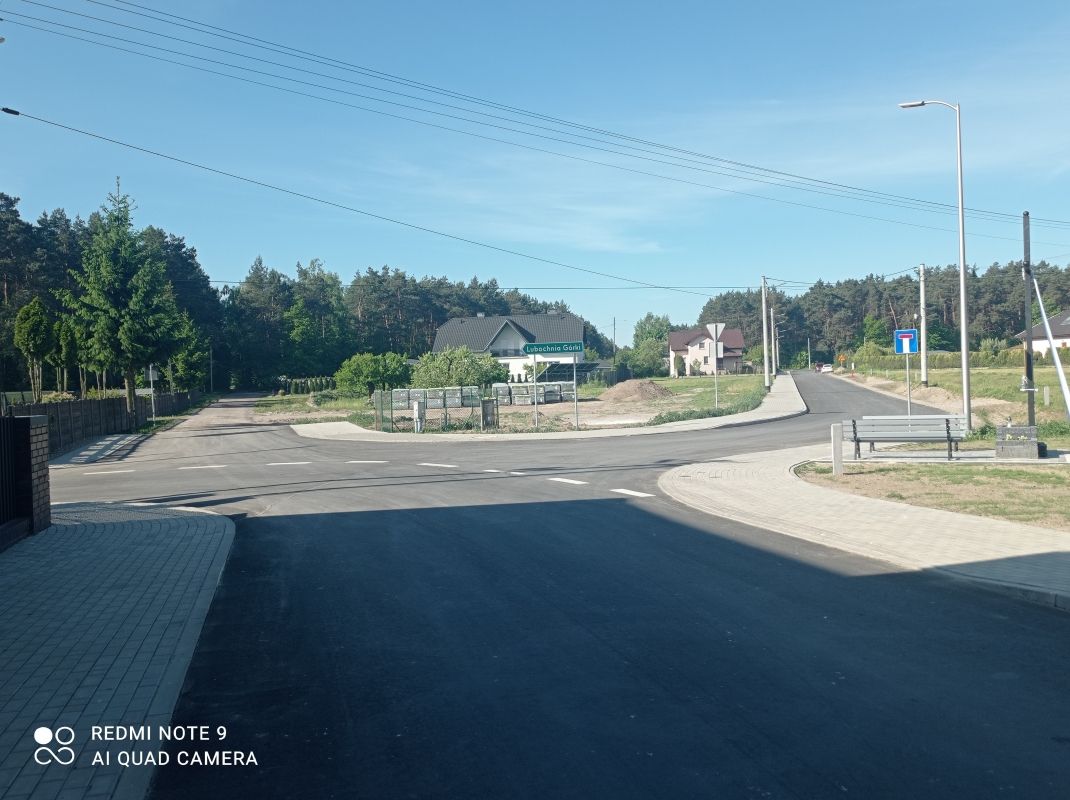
point(745, 394)
point(592, 391)
point(273, 404)
point(700, 388)
point(1001, 383)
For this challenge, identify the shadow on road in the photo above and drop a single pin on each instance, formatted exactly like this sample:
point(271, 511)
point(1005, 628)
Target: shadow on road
point(594, 649)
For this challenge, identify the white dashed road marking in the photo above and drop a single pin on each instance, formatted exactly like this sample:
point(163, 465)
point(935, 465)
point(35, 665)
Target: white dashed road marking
point(518, 473)
point(444, 466)
point(108, 472)
point(287, 463)
point(492, 470)
point(567, 480)
point(207, 466)
point(630, 493)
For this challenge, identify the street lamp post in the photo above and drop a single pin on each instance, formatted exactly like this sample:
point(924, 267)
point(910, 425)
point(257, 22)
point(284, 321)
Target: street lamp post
point(964, 320)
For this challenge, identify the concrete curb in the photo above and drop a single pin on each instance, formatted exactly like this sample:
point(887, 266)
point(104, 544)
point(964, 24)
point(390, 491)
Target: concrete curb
point(786, 492)
point(787, 397)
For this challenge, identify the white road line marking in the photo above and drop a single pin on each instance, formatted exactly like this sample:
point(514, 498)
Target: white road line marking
point(287, 463)
point(207, 466)
point(107, 472)
point(630, 493)
point(367, 462)
point(567, 480)
point(518, 473)
point(492, 470)
point(444, 466)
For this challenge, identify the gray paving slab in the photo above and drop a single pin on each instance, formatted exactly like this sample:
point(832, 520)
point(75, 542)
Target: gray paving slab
point(99, 617)
point(761, 489)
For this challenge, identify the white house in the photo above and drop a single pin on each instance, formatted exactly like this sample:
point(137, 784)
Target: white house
point(708, 347)
point(1060, 333)
point(505, 337)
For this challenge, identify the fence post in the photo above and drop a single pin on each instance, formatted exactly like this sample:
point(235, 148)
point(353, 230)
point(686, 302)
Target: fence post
point(837, 448)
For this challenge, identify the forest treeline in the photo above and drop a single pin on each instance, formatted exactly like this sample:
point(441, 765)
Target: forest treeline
point(87, 304)
point(87, 274)
point(840, 317)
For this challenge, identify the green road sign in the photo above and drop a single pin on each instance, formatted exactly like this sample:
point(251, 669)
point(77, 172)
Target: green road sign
point(550, 348)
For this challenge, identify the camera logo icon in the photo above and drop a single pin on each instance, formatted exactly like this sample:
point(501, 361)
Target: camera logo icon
point(62, 736)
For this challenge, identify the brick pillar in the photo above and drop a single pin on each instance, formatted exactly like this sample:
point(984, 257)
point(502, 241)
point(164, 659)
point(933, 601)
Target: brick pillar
point(42, 495)
point(33, 495)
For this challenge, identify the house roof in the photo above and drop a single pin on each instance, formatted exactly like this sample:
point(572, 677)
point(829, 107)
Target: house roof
point(732, 338)
point(1060, 327)
point(477, 333)
point(679, 340)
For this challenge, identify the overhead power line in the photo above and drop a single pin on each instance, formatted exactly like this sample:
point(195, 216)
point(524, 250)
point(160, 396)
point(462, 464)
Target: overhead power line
point(342, 206)
point(734, 168)
point(335, 101)
point(686, 164)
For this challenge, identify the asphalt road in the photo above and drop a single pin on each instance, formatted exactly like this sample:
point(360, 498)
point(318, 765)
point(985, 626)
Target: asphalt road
point(454, 620)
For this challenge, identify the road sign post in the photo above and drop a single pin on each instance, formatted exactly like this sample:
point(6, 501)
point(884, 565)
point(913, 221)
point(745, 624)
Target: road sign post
point(908, 383)
point(906, 342)
point(535, 349)
point(575, 393)
point(535, 387)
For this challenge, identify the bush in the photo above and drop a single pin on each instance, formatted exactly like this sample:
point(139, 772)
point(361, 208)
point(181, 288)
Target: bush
point(361, 374)
point(457, 366)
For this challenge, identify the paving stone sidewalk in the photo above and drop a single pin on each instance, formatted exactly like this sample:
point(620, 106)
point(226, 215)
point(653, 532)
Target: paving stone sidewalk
point(760, 489)
point(99, 617)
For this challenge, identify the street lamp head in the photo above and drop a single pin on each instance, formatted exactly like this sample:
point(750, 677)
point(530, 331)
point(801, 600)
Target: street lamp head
point(912, 104)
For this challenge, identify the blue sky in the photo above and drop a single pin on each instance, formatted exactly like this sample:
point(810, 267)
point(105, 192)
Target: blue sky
point(810, 89)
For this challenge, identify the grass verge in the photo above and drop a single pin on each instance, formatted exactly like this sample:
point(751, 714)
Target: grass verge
point(747, 398)
point(1032, 494)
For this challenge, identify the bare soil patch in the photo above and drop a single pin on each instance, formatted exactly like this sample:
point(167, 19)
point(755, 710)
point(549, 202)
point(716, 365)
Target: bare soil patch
point(633, 390)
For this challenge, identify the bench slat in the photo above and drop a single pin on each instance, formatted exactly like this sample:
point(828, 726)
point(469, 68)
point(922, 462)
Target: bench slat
point(921, 428)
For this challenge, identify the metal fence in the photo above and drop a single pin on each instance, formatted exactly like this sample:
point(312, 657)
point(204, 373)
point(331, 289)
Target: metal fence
point(72, 421)
point(521, 394)
point(460, 407)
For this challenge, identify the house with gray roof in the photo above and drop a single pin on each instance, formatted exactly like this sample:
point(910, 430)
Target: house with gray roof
point(705, 349)
point(504, 337)
point(1060, 333)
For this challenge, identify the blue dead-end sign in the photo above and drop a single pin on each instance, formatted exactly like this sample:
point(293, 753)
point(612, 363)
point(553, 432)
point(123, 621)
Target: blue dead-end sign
point(906, 341)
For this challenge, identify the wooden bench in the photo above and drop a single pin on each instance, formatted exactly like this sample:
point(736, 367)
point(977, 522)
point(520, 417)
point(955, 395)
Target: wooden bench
point(919, 428)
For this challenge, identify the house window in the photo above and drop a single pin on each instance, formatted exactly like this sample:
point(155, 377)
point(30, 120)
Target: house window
point(705, 359)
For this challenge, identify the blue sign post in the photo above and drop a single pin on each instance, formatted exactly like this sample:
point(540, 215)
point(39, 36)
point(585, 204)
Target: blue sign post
point(906, 342)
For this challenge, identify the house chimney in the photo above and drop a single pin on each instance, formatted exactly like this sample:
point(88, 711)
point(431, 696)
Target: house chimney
point(480, 314)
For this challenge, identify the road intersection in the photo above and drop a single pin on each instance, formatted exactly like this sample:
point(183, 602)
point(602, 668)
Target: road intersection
point(537, 618)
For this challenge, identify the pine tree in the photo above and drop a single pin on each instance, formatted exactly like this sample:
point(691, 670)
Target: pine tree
point(125, 303)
